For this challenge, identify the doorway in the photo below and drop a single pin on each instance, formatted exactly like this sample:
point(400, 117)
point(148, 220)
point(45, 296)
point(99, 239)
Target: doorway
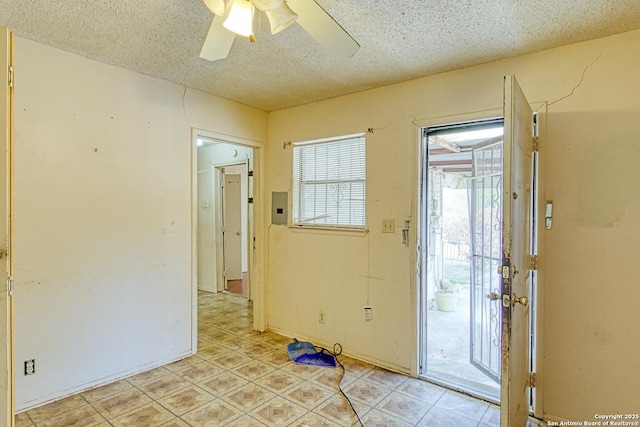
point(224, 237)
point(463, 236)
point(217, 314)
point(233, 229)
point(225, 217)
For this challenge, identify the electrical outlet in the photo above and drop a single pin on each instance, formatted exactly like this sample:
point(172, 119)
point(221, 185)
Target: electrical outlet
point(321, 317)
point(388, 225)
point(30, 367)
point(368, 313)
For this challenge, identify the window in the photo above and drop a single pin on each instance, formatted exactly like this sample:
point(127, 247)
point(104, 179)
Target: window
point(329, 184)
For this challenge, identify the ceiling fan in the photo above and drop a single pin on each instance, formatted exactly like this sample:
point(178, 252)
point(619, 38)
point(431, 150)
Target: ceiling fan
point(236, 17)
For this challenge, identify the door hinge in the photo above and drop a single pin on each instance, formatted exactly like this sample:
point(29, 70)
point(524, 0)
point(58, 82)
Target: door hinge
point(10, 285)
point(250, 173)
point(532, 379)
point(536, 132)
point(10, 76)
point(534, 262)
point(250, 200)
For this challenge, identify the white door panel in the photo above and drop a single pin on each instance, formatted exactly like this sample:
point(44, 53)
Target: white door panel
point(516, 282)
point(232, 227)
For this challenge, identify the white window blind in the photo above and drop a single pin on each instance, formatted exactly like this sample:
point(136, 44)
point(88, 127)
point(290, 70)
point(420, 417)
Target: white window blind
point(329, 182)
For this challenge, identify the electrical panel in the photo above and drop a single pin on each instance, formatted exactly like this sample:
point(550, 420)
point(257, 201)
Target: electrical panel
point(279, 207)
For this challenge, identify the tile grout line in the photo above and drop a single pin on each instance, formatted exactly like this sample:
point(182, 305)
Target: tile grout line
point(92, 407)
point(433, 405)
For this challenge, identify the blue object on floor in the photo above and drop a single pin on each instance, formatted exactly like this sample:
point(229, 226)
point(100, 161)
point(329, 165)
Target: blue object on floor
point(320, 358)
point(297, 348)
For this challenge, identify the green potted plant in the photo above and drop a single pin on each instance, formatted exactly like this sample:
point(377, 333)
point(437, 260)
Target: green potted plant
point(447, 295)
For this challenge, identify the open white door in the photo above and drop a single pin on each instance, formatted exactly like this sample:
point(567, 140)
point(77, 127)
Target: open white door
point(232, 227)
point(516, 263)
point(6, 235)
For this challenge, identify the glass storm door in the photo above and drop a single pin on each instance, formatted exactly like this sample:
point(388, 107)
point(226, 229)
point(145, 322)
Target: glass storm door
point(485, 217)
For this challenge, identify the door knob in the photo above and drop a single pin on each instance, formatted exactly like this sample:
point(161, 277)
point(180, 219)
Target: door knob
point(519, 300)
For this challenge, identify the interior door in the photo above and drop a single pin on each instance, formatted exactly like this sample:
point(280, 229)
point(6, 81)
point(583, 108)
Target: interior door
point(516, 274)
point(6, 235)
point(485, 217)
point(232, 227)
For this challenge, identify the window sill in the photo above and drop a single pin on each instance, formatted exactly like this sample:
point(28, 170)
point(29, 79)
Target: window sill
point(353, 231)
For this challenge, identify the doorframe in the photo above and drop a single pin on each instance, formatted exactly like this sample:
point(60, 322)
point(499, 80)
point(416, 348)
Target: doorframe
point(7, 384)
point(538, 293)
point(256, 251)
point(419, 126)
point(219, 241)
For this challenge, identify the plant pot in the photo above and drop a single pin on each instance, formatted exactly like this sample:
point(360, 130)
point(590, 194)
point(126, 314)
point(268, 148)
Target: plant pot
point(452, 287)
point(446, 301)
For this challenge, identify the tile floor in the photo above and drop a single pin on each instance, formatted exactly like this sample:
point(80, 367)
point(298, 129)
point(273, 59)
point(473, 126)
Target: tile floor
point(240, 378)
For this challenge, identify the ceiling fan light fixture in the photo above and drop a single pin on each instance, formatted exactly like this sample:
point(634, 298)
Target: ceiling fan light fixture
point(240, 19)
point(281, 17)
point(218, 7)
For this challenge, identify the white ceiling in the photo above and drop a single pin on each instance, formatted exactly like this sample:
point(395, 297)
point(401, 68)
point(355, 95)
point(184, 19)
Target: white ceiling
point(399, 40)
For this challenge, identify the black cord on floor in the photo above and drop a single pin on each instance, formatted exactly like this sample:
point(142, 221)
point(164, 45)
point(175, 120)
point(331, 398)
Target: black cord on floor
point(337, 351)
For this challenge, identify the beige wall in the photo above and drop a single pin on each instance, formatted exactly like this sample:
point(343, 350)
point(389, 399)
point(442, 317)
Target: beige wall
point(591, 339)
point(103, 204)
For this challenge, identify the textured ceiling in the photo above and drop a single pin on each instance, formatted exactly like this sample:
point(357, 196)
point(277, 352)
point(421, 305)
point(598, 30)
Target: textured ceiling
point(399, 40)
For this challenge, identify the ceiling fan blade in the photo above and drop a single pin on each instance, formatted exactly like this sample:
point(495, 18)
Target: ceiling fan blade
point(322, 27)
point(218, 42)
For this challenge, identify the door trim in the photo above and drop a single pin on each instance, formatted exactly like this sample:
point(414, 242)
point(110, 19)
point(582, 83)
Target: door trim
point(219, 240)
point(487, 117)
point(538, 292)
point(7, 382)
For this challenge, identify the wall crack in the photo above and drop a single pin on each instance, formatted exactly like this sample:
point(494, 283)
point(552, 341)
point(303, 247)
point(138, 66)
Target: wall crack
point(184, 106)
point(584, 73)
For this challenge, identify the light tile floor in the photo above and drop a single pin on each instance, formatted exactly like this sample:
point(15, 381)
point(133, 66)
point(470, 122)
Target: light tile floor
point(240, 378)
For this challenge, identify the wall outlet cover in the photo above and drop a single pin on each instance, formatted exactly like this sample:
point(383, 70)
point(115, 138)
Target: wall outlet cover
point(388, 225)
point(30, 367)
